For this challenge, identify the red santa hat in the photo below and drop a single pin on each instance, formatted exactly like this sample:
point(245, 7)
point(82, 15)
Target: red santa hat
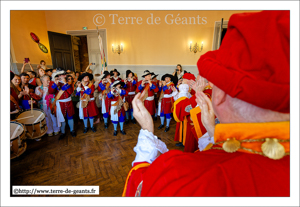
point(189, 76)
point(253, 62)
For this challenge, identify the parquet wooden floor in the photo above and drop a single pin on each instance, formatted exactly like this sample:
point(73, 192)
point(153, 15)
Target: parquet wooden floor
point(88, 159)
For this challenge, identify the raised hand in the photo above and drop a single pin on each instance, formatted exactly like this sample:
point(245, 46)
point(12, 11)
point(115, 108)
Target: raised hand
point(207, 112)
point(199, 85)
point(160, 83)
point(141, 114)
point(26, 89)
point(173, 88)
point(40, 90)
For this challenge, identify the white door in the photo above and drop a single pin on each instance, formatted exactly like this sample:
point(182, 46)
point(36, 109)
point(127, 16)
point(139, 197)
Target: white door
point(94, 51)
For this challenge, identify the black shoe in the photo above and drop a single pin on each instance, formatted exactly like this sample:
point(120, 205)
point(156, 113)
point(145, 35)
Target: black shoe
point(179, 144)
point(161, 126)
point(85, 130)
point(155, 118)
point(133, 121)
point(159, 138)
point(123, 132)
point(93, 129)
point(61, 136)
point(126, 121)
point(105, 126)
point(167, 129)
point(115, 133)
point(73, 133)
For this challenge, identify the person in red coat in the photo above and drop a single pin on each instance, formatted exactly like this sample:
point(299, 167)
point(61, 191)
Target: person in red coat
point(85, 89)
point(187, 114)
point(130, 87)
point(64, 106)
point(117, 112)
point(104, 88)
point(114, 74)
point(247, 153)
point(149, 88)
point(165, 101)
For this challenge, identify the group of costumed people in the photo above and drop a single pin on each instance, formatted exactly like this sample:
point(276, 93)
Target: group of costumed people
point(241, 121)
point(105, 94)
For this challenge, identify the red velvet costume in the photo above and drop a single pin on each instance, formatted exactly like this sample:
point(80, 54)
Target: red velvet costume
point(91, 110)
point(131, 91)
point(149, 102)
point(245, 159)
point(188, 131)
point(66, 107)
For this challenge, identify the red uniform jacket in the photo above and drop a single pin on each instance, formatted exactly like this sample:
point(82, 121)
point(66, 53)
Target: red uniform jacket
point(66, 107)
point(166, 103)
point(101, 89)
point(149, 104)
point(130, 87)
point(189, 130)
point(116, 98)
point(113, 79)
point(91, 110)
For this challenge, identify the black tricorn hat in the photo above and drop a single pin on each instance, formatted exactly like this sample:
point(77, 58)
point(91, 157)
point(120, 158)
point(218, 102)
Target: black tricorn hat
point(128, 72)
point(104, 74)
point(91, 77)
point(117, 83)
point(174, 79)
point(114, 70)
point(147, 72)
point(154, 76)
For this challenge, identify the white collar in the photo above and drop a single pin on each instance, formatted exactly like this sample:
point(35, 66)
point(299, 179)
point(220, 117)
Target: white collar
point(116, 78)
point(168, 83)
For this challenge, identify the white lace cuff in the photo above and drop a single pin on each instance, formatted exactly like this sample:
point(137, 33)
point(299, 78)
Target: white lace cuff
point(78, 89)
point(204, 141)
point(85, 87)
point(148, 147)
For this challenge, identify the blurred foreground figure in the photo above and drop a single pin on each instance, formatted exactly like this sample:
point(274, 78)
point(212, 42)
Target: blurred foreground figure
point(247, 154)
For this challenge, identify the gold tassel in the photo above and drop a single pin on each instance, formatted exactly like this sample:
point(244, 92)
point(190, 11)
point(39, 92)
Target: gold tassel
point(272, 149)
point(231, 145)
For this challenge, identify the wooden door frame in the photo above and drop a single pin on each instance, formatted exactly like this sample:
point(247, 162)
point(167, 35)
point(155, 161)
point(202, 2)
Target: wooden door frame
point(87, 32)
point(216, 35)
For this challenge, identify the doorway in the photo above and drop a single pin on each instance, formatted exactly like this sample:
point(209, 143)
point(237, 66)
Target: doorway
point(93, 48)
point(81, 54)
point(216, 37)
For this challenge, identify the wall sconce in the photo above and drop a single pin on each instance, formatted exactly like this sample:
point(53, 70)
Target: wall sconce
point(195, 48)
point(119, 49)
